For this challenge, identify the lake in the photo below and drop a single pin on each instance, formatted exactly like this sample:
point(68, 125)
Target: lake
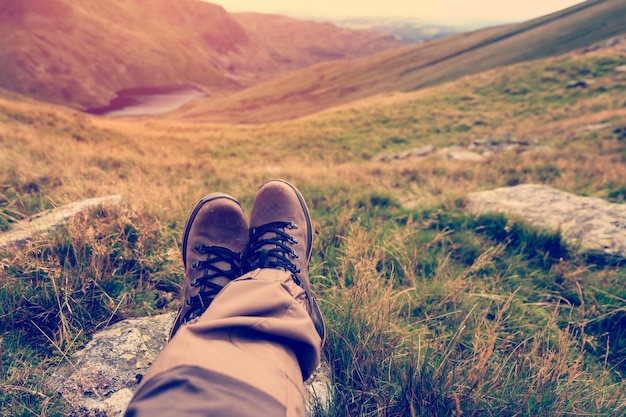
point(148, 101)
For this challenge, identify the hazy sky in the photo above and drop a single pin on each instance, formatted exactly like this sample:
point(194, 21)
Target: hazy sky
point(437, 11)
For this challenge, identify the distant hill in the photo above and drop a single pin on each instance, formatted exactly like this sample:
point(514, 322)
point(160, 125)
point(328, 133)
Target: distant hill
point(291, 44)
point(412, 67)
point(405, 30)
point(80, 52)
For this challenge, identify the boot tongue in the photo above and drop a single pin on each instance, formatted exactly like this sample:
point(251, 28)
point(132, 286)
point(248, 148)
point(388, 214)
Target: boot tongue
point(264, 257)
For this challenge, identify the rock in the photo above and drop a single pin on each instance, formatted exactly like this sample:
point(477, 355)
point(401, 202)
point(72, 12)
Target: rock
point(423, 151)
point(543, 149)
point(510, 147)
point(461, 155)
point(480, 143)
point(319, 389)
point(523, 143)
point(501, 143)
point(577, 84)
point(592, 128)
point(621, 68)
point(411, 153)
point(620, 133)
point(609, 43)
point(103, 375)
point(477, 151)
point(593, 224)
point(51, 220)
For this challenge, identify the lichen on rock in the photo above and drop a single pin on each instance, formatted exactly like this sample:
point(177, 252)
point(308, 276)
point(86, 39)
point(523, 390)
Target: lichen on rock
point(591, 224)
point(101, 378)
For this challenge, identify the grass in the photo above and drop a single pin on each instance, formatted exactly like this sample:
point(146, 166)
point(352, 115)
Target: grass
point(440, 313)
point(430, 310)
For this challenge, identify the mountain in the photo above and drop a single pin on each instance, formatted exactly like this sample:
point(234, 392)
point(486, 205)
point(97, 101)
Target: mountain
point(406, 30)
point(292, 44)
point(412, 67)
point(80, 52)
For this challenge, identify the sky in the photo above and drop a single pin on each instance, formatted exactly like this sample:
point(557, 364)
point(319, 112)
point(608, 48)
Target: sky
point(430, 11)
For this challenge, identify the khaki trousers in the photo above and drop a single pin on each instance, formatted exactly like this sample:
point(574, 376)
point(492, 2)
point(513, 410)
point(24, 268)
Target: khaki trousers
point(247, 355)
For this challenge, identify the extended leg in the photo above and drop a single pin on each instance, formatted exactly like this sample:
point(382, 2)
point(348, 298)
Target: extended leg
point(249, 353)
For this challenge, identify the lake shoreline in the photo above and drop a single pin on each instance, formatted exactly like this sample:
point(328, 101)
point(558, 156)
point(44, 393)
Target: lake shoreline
point(142, 101)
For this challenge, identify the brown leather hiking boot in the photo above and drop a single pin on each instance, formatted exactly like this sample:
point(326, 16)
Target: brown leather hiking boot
point(215, 237)
point(281, 237)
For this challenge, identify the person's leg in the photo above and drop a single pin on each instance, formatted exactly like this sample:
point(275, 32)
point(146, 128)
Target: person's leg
point(249, 353)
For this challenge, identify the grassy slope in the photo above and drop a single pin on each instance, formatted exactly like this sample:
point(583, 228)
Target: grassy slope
point(409, 68)
point(431, 311)
point(79, 53)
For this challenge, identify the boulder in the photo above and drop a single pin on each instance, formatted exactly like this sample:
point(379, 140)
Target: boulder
point(591, 224)
point(101, 377)
point(51, 220)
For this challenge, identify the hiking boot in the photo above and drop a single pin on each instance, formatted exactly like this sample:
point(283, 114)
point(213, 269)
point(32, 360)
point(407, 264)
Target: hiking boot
point(215, 237)
point(281, 237)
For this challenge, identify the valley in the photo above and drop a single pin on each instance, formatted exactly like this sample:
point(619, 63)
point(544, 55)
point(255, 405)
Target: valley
point(431, 309)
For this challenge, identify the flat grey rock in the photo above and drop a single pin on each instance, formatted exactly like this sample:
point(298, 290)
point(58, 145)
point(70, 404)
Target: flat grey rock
point(592, 224)
point(102, 376)
point(51, 220)
point(462, 155)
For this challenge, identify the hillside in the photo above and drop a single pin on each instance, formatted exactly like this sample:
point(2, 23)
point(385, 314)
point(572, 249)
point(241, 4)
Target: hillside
point(79, 53)
point(412, 67)
point(431, 310)
point(292, 44)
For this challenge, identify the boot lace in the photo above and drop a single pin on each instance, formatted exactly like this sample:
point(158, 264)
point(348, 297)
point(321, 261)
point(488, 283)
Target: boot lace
point(209, 289)
point(273, 252)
